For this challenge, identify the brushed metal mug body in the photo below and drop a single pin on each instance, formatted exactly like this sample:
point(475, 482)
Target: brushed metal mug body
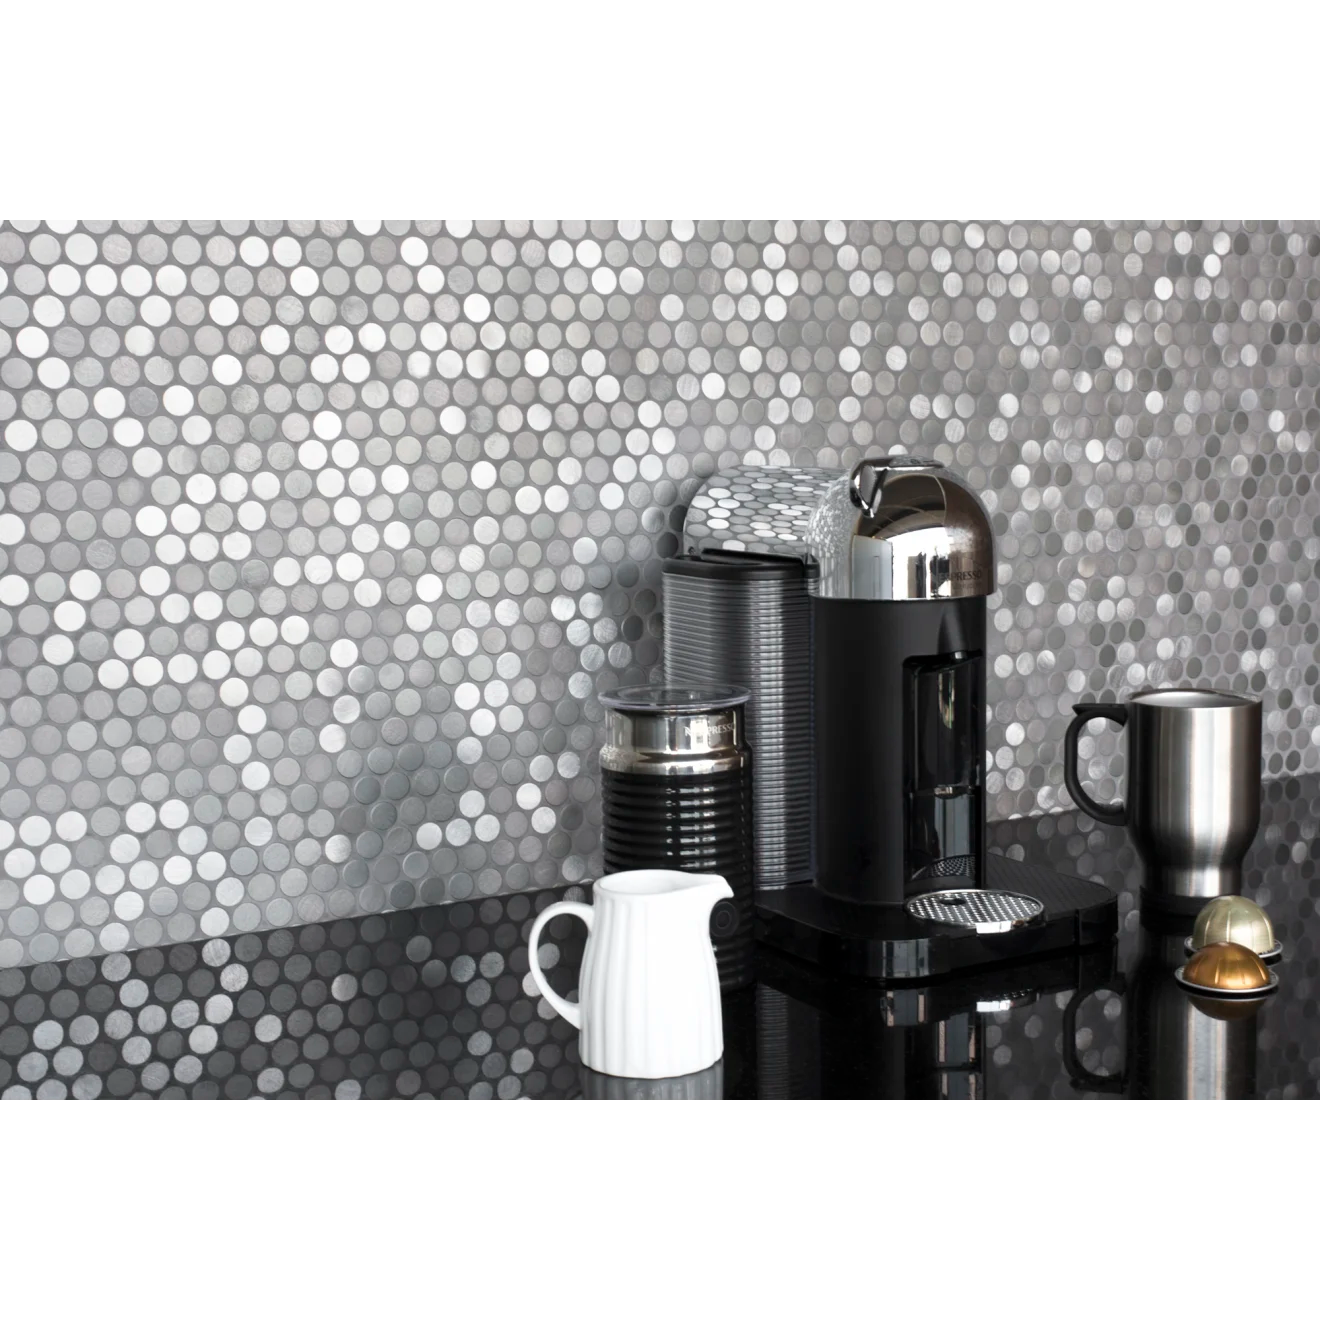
point(1192, 804)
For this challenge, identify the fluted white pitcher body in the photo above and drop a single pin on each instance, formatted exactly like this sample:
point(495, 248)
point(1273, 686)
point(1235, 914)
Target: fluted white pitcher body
point(649, 995)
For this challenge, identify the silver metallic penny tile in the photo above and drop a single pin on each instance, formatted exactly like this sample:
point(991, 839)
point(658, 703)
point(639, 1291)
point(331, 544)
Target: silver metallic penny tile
point(317, 539)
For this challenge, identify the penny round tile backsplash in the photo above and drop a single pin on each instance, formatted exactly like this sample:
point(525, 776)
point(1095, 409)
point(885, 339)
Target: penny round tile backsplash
point(319, 539)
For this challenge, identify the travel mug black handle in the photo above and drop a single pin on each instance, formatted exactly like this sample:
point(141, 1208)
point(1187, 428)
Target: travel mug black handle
point(1116, 812)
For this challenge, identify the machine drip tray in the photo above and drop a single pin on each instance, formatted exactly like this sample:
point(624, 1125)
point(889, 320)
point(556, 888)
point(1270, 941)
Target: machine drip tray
point(887, 943)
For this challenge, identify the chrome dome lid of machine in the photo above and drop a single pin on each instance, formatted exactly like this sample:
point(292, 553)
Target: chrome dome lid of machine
point(896, 528)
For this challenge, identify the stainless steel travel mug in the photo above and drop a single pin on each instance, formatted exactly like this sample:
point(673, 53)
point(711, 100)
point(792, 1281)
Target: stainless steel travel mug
point(1193, 786)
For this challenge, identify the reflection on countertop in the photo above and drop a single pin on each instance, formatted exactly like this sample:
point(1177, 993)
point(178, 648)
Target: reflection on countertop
point(424, 1002)
point(437, 1003)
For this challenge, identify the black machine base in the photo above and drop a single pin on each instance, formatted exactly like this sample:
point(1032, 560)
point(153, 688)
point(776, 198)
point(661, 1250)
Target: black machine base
point(882, 942)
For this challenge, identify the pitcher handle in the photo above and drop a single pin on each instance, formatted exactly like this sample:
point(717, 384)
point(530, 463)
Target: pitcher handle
point(572, 1013)
point(1115, 813)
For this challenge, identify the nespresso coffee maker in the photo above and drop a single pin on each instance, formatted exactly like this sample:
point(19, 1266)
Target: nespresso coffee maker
point(906, 560)
point(897, 561)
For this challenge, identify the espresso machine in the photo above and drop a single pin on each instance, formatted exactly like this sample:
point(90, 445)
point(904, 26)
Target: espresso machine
point(879, 627)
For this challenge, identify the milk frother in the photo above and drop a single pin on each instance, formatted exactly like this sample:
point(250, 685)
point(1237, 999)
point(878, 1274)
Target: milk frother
point(676, 790)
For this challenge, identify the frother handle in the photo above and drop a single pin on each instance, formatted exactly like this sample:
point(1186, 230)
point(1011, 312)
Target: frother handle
point(572, 1013)
point(1116, 812)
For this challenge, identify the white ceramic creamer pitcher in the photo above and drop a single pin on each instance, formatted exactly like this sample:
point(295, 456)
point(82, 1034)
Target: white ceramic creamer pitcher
point(649, 996)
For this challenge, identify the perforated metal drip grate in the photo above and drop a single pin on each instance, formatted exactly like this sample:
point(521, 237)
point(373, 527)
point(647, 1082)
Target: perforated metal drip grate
point(987, 911)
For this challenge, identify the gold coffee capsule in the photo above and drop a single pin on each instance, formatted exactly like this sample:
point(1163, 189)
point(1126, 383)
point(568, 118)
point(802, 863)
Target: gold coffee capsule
point(1233, 920)
point(1226, 967)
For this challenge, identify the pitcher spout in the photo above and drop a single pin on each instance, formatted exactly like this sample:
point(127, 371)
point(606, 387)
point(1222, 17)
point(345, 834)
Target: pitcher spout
point(706, 889)
point(711, 889)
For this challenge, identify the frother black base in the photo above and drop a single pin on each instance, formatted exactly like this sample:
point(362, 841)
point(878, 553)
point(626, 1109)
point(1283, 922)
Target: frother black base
point(882, 942)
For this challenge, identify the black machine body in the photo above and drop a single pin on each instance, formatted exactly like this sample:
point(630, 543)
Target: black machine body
point(900, 747)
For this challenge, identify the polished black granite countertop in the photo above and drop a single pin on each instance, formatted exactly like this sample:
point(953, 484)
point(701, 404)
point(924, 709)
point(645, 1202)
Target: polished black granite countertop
point(437, 1002)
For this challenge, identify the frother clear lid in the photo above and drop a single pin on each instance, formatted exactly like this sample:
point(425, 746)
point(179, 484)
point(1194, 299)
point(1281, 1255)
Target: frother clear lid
point(662, 699)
